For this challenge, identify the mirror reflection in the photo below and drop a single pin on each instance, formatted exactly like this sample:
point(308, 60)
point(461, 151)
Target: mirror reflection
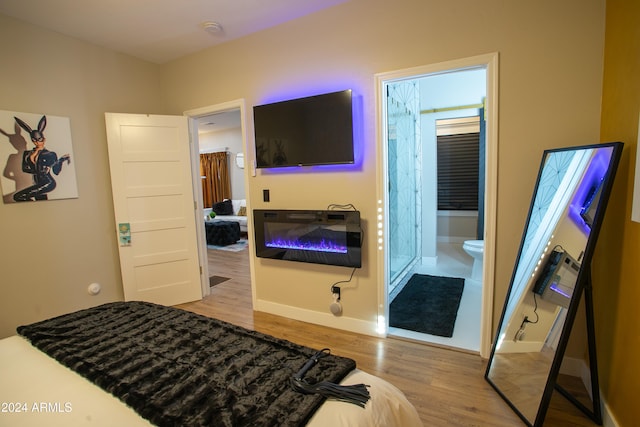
point(546, 275)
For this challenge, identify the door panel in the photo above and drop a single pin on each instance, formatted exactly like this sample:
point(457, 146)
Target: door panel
point(151, 184)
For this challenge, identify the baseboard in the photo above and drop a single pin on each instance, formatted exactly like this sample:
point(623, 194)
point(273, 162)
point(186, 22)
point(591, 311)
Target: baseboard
point(454, 239)
point(579, 368)
point(430, 261)
point(608, 420)
point(509, 346)
point(324, 319)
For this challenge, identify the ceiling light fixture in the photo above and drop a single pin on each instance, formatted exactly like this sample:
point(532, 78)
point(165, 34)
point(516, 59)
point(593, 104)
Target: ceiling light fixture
point(211, 27)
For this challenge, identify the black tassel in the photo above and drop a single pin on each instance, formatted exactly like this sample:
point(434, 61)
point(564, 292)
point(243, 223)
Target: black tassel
point(358, 394)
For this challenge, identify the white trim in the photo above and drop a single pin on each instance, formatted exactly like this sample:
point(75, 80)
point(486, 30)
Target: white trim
point(509, 346)
point(454, 239)
point(193, 115)
point(608, 420)
point(490, 62)
point(430, 261)
point(196, 183)
point(319, 318)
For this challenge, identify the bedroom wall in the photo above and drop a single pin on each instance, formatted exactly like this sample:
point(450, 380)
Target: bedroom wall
point(51, 251)
point(550, 84)
point(616, 271)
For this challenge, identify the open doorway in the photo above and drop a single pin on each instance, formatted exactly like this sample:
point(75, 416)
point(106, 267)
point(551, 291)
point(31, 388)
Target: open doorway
point(424, 109)
point(218, 148)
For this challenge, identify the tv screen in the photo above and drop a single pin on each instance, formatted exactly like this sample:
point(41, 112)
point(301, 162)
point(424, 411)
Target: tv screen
point(316, 130)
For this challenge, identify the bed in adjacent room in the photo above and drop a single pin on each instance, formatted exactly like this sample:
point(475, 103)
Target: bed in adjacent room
point(140, 364)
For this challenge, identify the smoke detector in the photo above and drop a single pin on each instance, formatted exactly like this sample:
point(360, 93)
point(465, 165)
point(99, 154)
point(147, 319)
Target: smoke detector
point(211, 27)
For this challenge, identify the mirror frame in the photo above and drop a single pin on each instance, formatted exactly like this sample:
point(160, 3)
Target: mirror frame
point(583, 285)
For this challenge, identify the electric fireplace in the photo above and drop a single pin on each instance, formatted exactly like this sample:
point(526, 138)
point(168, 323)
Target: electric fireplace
point(319, 237)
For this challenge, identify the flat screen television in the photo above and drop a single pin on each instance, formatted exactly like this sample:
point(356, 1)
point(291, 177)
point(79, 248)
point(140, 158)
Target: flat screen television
point(316, 130)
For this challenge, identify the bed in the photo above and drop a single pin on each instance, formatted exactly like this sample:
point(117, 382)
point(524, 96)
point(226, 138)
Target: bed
point(140, 364)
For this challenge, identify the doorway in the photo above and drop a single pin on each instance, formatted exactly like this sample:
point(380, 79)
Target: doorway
point(415, 236)
point(219, 128)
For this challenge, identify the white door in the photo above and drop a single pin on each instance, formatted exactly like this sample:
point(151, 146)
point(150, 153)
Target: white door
point(151, 183)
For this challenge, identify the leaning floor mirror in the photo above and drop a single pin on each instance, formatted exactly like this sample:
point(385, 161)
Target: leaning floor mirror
point(551, 275)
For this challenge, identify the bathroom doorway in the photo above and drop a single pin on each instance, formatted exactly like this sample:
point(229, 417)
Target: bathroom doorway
point(421, 109)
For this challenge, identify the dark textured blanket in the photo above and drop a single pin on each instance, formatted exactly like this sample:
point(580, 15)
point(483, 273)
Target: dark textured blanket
point(177, 368)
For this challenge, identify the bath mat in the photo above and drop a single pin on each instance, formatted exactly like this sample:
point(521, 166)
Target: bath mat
point(427, 304)
point(216, 280)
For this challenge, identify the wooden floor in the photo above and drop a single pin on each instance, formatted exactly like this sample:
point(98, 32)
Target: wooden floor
point(446, 387)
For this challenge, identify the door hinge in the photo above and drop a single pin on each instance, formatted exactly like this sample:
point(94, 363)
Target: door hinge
point(201, 270)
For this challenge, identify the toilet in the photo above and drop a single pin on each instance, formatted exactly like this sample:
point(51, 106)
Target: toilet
point(475, 248)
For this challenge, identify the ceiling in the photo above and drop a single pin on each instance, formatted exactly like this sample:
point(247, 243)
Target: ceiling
point(219, 121)
point(159, 30)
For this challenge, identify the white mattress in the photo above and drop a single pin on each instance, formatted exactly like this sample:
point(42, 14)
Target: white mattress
point(36, 390)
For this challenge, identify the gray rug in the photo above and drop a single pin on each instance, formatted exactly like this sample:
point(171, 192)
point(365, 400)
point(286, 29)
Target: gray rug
point(427, 304)
point(240, 245)
point(216, 280)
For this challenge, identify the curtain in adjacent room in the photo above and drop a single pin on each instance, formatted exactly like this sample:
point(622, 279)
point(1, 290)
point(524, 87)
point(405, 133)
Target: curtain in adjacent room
point(216, 184)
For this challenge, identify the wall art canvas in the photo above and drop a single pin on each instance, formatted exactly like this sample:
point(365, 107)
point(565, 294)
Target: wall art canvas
point(37, 159)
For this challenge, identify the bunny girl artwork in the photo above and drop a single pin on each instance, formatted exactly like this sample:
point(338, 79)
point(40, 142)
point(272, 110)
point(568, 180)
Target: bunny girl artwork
point(42, 165)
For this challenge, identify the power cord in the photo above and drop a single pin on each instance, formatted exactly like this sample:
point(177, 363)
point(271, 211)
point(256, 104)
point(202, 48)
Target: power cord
point(334, 206)
point(336, 289)
point(518, 336)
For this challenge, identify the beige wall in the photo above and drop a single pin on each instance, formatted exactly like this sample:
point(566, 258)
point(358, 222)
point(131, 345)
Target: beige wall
point(550, 84)
point(616, 270)
point(51, 251)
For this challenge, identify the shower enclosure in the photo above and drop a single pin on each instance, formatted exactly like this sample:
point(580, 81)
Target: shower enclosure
point(404, 160)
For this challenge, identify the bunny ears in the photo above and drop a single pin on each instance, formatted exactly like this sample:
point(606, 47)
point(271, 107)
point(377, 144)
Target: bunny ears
point(37, 134)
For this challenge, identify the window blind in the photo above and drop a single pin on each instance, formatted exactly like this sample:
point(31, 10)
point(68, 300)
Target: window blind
point(458, 168)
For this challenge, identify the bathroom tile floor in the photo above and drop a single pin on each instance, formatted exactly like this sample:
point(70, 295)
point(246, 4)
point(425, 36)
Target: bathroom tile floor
point(452, 262)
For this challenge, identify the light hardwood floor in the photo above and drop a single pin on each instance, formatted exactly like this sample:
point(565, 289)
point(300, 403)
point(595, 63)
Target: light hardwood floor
point(446, 387)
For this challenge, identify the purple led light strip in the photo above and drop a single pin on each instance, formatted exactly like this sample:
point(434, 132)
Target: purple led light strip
point(556, 288)
point(321, 246)
point(596, 171)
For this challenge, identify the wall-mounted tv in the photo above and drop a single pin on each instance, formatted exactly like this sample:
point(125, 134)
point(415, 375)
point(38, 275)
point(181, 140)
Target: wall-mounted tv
point(316, 130)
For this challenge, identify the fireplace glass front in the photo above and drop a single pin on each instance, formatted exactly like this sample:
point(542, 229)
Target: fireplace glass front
point(320, 237)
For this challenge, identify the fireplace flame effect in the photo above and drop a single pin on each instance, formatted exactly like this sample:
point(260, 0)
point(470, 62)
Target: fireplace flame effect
point(315, 246)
